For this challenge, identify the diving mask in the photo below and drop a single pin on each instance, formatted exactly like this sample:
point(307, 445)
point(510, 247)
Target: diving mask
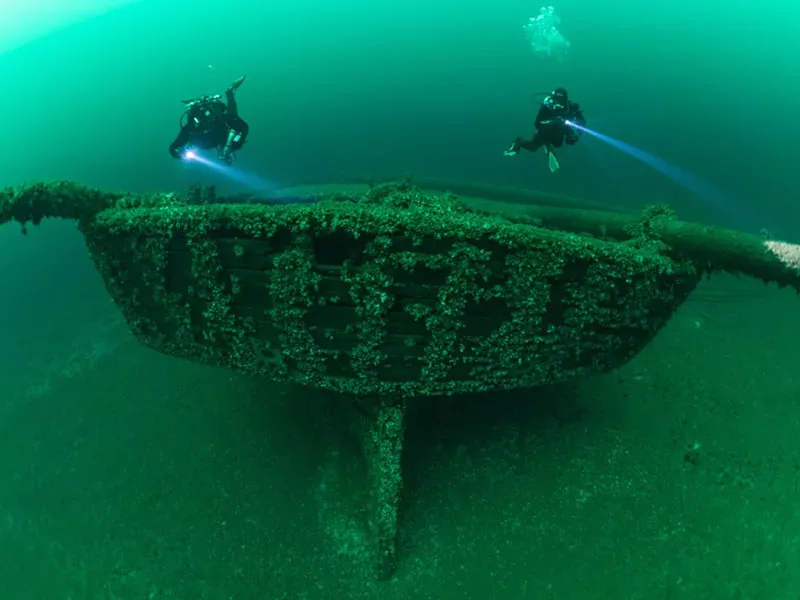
point(554, 102)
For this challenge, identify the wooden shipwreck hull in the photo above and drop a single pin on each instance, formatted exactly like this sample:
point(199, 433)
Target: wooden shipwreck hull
point(392, 292)
point(413, 295)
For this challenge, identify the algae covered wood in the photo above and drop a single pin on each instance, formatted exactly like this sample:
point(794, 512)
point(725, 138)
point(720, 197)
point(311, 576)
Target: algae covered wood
point(382, 439)
point(394, 292)
point(394, 289)
point(402, 292)
point(711, 248)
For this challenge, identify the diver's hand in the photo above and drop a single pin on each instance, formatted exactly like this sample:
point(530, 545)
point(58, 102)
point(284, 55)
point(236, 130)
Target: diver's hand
point(513, 150)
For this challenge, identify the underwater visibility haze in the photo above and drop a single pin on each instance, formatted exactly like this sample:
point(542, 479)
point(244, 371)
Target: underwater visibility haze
point(128, 473)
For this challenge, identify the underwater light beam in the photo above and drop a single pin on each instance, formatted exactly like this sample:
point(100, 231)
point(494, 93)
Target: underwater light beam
point(691, 182)
point(252, 182)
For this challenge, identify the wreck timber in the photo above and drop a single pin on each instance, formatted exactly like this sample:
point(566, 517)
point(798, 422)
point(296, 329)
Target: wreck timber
point(391, 292)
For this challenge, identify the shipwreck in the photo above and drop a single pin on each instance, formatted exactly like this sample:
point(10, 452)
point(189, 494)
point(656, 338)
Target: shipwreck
point(386, 293)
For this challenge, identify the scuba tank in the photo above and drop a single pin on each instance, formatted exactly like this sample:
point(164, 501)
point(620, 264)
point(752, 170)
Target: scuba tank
point(202, 108)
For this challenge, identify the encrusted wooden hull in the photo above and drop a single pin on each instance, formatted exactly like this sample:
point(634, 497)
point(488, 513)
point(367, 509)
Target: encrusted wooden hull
point(391, 292)
point(411, 294)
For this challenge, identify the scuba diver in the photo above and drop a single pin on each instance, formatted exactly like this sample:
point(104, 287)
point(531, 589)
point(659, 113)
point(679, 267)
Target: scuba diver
point(551, 128)
point(208, 122)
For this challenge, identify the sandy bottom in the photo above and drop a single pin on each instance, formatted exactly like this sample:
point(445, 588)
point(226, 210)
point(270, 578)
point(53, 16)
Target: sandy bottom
point(131, 475)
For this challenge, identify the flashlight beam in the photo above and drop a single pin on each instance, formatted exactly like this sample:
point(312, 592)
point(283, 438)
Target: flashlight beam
point(699, 187)
point(248, 180)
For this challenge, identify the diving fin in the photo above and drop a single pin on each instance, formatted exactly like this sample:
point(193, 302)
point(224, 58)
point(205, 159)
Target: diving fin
point(235, 85)
point(551, 159)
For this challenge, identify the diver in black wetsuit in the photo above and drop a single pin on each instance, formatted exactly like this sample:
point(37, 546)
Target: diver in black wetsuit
point(212, 123)
point(551, 128)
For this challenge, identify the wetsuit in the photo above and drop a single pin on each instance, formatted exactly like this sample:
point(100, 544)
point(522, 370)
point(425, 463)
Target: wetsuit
point(551, 129)
point(212, 124)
